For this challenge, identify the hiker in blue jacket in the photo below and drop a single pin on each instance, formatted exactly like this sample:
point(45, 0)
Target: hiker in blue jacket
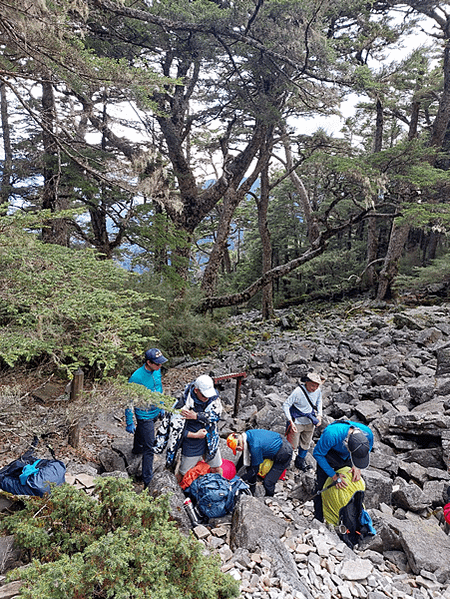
point(257, 445)
point(148, 375)
point(342, 443)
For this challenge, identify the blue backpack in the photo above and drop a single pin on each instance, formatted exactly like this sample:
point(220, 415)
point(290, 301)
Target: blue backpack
point(31, 476)
point(215, 496)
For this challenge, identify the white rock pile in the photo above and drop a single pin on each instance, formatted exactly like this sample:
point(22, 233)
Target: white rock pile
point(326, 566)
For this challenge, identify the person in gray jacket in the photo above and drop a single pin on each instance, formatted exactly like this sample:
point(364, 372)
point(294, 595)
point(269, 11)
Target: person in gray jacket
point(303, 410)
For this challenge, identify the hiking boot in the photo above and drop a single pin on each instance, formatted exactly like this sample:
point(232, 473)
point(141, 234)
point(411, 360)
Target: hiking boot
point(302, 465)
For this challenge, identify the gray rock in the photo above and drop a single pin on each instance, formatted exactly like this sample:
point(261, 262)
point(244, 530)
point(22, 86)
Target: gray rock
point(425, 544)
point(443, 360)
point(10, 590)
point(284, 566)
point(164, 483)
point(402, 320)
point(9, 553)
point(408, 496)
point(384, 377)
point(111, 461)
point(252, 520)
point(421, 390)
point(368, 411)
point(429, 336)
point(378, 489)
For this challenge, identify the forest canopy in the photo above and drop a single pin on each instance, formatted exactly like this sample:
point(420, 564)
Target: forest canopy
point(170, 150)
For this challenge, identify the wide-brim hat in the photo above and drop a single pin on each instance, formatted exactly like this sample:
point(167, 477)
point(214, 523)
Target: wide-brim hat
point(314, 377)
point(359, 448)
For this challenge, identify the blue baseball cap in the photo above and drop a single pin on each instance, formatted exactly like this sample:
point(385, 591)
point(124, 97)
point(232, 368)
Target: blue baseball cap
point(155, 355)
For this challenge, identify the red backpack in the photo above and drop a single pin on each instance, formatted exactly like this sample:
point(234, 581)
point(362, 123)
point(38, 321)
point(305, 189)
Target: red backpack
point(447, 512)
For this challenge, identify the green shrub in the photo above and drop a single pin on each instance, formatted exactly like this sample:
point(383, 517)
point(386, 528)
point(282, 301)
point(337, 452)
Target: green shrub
point(66, 306)
point(181, 330)
point(416, 279)
point(115, 545)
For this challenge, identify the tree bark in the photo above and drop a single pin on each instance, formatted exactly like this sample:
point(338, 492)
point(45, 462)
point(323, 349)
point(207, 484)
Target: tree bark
point(442, 119)
point(263, 205)
point(231, 200)
point(397, 240)
point(372, 224)
point(311, 221)
point(54, 230)
point(5, 189)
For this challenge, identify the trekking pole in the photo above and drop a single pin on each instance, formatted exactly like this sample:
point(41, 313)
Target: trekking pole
point(319, 492)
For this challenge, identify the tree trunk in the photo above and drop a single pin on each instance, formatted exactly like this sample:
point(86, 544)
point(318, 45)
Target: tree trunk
point(263, 205)
point(231, 200)
point(372, 224)
point(311, 221)
point(230, 203)
point(5, 189)
point(161, 259)
point(98, 216)
point(442, 119)
point(430, 247)
point(397, 240)
point(55, 230)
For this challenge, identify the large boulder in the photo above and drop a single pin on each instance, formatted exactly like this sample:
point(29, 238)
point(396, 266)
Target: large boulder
point(252, 520)
point(165, 483)
point(378, 489)
point(425, 544)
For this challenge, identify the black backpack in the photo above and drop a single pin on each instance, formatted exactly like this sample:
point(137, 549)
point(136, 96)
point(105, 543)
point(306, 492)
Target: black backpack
point(350, 529)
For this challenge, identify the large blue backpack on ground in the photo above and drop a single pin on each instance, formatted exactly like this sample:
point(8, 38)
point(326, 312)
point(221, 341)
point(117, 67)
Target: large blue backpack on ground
point(31, 476)
point(215, 496)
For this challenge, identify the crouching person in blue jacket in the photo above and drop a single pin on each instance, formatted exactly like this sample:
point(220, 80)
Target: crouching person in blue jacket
point(342, 443)
point(257, 445)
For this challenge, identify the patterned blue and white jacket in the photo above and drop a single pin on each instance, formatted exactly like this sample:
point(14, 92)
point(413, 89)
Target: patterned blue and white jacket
point(172, 430)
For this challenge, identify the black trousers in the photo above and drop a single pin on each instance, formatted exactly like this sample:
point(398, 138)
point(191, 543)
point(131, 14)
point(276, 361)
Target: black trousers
point(281, 461)
point(335, 461)
point(144, 439)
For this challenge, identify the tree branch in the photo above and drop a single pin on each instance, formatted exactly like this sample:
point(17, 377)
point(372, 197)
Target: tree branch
point(317, 248)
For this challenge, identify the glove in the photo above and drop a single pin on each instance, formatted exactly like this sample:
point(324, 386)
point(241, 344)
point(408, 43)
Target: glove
point(130, 428)
point(161, 414)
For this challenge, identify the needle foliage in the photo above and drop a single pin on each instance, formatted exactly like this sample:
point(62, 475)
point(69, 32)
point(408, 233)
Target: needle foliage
point(115, 544)
point(65, 305)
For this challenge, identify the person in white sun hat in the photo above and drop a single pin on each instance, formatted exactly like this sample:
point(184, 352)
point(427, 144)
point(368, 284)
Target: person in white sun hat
point(193, 428)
